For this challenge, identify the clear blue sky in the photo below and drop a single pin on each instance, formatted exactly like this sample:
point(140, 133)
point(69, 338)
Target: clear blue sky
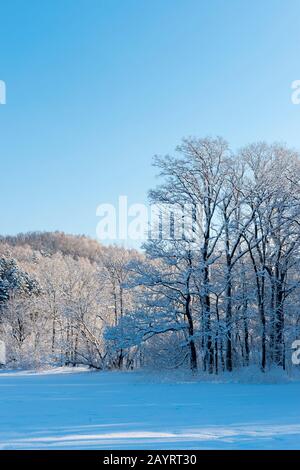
point(95, 88)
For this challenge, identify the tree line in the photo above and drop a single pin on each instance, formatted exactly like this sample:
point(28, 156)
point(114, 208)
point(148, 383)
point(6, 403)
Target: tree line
point(220, 295)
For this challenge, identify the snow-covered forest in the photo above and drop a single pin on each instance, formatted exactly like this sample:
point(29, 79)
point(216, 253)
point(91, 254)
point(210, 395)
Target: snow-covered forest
point(222, 298)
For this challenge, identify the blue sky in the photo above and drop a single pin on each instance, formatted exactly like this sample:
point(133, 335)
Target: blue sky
point(95, 88)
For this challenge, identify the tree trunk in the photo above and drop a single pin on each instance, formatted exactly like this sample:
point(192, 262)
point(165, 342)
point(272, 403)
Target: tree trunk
point(279, 324)
point(193, 352)
point(229, 324)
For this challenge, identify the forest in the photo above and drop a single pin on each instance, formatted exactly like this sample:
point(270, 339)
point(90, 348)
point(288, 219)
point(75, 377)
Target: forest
point(218, 296)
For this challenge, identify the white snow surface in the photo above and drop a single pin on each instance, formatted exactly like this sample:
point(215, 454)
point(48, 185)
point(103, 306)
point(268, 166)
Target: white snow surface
point(63, 409)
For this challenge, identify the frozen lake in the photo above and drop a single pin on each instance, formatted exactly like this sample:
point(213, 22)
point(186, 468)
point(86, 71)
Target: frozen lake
point(119, 410)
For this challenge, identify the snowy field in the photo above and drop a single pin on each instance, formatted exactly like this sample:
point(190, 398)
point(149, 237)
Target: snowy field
point(115, 410)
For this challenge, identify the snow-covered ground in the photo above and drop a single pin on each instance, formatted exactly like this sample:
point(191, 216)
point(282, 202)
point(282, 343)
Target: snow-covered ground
point(115, 410)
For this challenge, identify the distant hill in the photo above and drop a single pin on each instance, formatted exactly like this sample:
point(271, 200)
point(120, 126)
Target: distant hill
point(54, 242)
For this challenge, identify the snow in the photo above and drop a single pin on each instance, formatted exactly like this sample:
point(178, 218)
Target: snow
point(63, 409)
